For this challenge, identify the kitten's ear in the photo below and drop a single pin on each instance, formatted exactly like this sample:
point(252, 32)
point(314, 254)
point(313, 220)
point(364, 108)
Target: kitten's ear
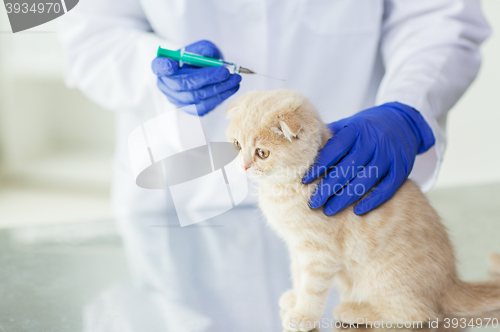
point(289, 128)
point(232, 107)
point(230, 111)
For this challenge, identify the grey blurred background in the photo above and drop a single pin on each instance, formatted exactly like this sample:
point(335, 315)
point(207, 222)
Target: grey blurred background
point(55, 145)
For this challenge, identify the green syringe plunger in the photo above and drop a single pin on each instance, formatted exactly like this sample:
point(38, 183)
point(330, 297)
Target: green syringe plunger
point(203, 61)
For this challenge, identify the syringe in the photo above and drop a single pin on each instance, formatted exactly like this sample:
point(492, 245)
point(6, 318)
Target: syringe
point(203, 61)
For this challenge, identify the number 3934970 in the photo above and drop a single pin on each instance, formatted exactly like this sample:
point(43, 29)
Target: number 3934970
point(26, 14)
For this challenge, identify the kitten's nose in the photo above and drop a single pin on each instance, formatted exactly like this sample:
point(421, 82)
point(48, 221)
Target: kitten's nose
point(246, 167)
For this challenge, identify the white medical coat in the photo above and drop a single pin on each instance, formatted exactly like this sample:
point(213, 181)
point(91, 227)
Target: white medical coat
point(345, 55)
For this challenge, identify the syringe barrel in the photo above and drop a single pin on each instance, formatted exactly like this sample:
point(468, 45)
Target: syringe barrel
point(190, 58)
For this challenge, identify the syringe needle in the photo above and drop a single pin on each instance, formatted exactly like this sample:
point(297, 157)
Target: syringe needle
point(274, 78)
point(243, 70)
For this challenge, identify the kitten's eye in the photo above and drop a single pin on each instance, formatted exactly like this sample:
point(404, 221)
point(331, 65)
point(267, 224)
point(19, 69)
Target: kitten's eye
point(237, 145)
point(263, 154)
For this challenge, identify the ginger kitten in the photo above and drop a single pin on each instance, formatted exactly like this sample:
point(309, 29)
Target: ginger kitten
point(395, 263)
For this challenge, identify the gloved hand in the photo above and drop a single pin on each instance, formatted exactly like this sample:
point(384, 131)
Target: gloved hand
point(204, 87)
point(377, 145)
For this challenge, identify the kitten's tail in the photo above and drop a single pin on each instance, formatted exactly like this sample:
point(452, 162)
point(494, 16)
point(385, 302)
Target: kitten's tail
point(477, 299)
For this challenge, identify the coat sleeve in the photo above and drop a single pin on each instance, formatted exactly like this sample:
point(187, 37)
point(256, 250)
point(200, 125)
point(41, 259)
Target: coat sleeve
point(430, 50)
point(108, 48)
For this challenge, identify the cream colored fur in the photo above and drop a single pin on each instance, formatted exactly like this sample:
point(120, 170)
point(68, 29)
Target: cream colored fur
point(394, 263)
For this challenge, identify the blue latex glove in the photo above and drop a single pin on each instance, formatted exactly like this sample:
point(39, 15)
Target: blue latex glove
point(204, 87)
point(375, 147)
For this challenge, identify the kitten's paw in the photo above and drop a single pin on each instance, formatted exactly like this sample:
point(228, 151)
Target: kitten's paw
point(295, 321)
point(353, 313)
point(287, 300)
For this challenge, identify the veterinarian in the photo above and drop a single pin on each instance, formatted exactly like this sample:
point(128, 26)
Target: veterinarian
point(352, 58)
